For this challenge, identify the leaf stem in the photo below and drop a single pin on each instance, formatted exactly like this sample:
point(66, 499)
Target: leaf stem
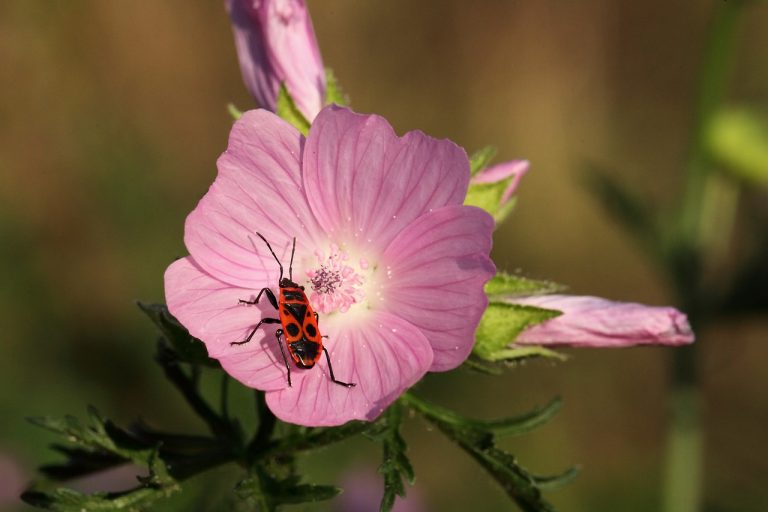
point(684, 453)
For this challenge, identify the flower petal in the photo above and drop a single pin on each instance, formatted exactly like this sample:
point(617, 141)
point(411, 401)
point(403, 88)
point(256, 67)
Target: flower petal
point(365, 184)
point(437, 267)
point(210, 311)
point(382, 354)
point(595, 322)
point(258, 189)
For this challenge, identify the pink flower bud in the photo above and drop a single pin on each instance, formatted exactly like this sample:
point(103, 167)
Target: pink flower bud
point(595, 322)
point(512, 171)
point(276, 44)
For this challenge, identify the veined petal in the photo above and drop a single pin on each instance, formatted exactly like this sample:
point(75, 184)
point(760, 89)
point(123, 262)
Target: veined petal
point(365, 184)
point(210, 311)
point(436, 269)
point(595, 322)
point(258, 190)
point(383, 355)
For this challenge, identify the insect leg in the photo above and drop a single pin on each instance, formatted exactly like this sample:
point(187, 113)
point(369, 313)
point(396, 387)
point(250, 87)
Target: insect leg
point(273, 254)
point(270, 296)
point(262, 321)
point(279, 333)
point(330, 370)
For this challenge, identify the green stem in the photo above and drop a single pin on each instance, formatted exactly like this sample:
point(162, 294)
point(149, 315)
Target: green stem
point(684, 455)
point(267, 422)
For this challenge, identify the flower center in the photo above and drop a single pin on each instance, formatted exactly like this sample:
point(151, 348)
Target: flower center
point(335, 282)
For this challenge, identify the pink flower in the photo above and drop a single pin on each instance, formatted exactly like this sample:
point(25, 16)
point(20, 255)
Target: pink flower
point(595, 322)
point(512, 171)
point(389, 256)
point(276, 44)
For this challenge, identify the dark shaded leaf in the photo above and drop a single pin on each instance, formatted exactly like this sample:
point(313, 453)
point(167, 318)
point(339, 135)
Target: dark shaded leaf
point(188, 349)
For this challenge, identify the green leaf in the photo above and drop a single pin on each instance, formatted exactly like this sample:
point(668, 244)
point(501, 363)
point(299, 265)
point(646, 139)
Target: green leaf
point(67, 500)
point(100, 444)
point(478, 439)
point(502, 322)
point(510, 285)
point(98, 435)
point(235, 112)
point(287, 109)
point(187, 348)
point(333, 91)
point(504, 427)
point(267, 493)
point(738, 138)
point(480, 159)
point(395, 467)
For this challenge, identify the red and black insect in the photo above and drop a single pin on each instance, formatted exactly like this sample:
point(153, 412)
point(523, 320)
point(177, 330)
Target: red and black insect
point(298, 320)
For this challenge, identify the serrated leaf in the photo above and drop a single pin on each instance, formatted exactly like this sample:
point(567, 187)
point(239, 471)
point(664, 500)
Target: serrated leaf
point(268, 493)
point(188, 349)
point(94, 436)
point(480, 159)
point(395, 465)
point(67, 500)
point(287, 109)
point(502, 322)
point(333, 91)
point(478, 438)
point(511, 285)
point(738, 138)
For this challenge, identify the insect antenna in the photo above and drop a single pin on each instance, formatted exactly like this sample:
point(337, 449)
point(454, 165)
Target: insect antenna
point(275, 255)
point(290, 267)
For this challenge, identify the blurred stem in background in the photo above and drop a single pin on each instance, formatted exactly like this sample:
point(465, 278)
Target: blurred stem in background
point(704, 226)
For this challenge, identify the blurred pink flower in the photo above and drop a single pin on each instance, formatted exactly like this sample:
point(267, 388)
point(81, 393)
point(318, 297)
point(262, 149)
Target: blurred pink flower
point(595, 322)
point(363, 490)
point(392, 259)
point(512, 171)
point(276, 43)
point(12, 481)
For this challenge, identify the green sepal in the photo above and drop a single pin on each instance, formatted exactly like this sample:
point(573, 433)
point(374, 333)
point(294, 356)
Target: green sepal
point(333, 91)
point(235, 112)
point(488, 197)
point(738, 138)
point(287, 109)
point(395, 466)
point(511, 285)
point(500, 325)
point(480, 159)
point(188, 349)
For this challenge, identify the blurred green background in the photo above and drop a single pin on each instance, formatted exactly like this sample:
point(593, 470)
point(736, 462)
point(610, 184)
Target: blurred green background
point(112, 115)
